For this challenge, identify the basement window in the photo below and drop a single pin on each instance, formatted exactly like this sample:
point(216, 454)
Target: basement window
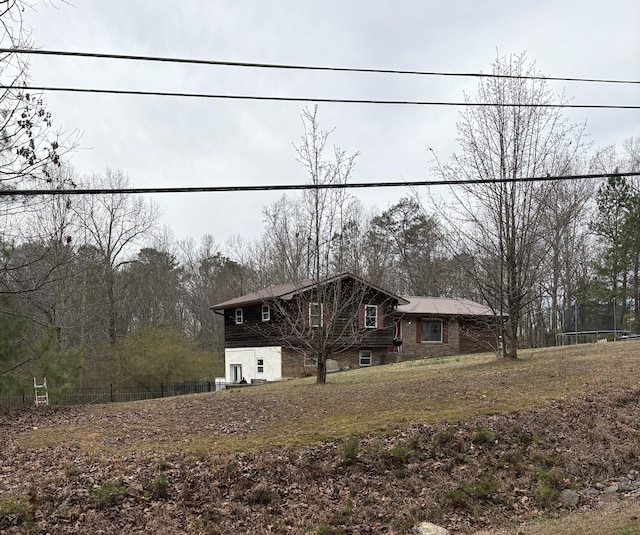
point(260, 365)
point(365, 358)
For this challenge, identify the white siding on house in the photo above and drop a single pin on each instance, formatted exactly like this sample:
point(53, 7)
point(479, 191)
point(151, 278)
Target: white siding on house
point(248, 358)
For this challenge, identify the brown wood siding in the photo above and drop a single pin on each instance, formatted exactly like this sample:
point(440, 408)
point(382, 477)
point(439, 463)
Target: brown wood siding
point(253, 332)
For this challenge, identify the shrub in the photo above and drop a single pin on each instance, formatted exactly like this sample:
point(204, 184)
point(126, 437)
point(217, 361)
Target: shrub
point(19, 508)
point(260, 495)
point(398, 453)
point(466, 494)
point(483, 436)
point(444, 437)
point(349, 451)
point(547, 488)
point(109, 493)
point(160, 487)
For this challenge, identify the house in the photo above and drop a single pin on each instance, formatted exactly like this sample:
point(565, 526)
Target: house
point(279, 332)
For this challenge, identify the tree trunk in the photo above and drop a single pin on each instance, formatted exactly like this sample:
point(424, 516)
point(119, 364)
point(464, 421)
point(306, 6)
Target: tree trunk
point(321, 376)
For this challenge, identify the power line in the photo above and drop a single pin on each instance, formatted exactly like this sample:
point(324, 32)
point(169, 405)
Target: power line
point(291, 187)
point(303, 67)
point(312, 100)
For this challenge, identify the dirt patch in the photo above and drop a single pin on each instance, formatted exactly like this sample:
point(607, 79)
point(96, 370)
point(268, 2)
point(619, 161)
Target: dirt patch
point(485, 473)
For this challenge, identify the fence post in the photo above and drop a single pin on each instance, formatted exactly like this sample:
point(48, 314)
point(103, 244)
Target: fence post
point(161, 390)
point(111, 392)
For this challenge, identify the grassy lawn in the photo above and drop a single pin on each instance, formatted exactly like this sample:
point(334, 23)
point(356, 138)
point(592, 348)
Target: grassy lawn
point(259, 456)
point(378, 399)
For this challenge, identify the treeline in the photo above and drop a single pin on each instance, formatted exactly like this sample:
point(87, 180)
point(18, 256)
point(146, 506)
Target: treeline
point(93, 291)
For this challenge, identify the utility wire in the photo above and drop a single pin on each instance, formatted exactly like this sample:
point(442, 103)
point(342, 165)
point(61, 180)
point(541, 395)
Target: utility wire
point(286, 187)
point(324, 100)
point(303, 67)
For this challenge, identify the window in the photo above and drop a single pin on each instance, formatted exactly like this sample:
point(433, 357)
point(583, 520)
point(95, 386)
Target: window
point(370, 316)
point(431, 331)
point(239, 317)
point(266, 312)
point(260, 365)
point(315, 314)
point(365, 358)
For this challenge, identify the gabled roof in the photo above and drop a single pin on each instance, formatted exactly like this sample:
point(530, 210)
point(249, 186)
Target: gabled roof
point(441, 306)
point(288, 290)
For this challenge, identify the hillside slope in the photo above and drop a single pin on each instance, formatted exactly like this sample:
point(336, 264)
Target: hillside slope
point(468, 443)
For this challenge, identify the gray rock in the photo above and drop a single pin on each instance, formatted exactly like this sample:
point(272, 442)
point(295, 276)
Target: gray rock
point(332, 366)
point(569, 498)
point(607, 499)
point(624, 485)
point(611, 488)
point(427, 528)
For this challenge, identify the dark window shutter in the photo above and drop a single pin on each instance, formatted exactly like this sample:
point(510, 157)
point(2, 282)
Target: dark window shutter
point(361, 317)
point(418, 330)
point(380, 316)
point(445, 332)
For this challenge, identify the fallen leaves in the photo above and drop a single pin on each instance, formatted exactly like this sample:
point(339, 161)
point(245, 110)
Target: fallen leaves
point(392, 482)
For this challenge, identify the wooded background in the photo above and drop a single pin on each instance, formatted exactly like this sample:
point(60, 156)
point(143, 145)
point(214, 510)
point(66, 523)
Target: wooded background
point(93, 291)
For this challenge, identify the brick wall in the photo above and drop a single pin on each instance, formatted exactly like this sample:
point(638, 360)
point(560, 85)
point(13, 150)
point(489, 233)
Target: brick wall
point(293, 363)
point(411, 349)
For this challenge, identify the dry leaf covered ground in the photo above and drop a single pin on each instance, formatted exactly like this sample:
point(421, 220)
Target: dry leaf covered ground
point(468, 443)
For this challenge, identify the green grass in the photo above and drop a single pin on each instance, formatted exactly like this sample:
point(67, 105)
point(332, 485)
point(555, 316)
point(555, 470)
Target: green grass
point(377, 399)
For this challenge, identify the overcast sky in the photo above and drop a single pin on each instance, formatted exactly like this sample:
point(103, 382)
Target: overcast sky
point(168, 141)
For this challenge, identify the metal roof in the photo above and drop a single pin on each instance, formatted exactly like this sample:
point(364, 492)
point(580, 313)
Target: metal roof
point(280, 290)
point(288, 290)
point(441, 306)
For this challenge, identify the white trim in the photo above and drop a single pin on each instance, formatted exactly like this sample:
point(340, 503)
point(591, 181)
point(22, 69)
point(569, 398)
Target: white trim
point(266, 308)
point(320, 315)
point(367, 355)
point(374, 317)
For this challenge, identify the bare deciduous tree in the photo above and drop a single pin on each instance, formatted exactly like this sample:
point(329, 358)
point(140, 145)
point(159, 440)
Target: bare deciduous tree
point(112, 224)
point(500, 223)
point(307, 241)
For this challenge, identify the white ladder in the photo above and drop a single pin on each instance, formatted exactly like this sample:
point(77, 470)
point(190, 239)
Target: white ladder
point(42, 394)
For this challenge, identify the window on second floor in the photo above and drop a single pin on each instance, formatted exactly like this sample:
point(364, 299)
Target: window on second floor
point(239, 318)
point(266, 313)
point(315, 314)
point(370, 316)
